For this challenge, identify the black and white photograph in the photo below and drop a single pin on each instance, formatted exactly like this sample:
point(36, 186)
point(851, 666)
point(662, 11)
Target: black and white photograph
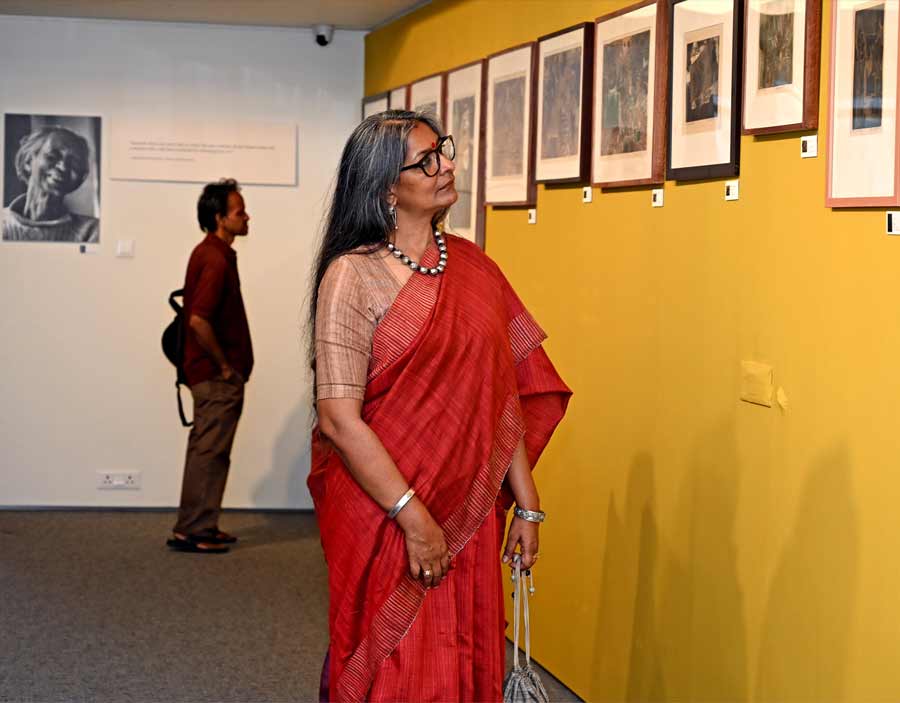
point(427, 95)
point(705, 85)
point(863, 130)
point(463, 110)
point(429, 107)
point(508, 107)
point(511, 127)
point(868, 54)
point(702, 79)
point(631, 102)
point(463, 100)
point(561, 103)
point(781, 66)
point(51, 181)
point(374, 104)
point(626, 67)
point(776, 49)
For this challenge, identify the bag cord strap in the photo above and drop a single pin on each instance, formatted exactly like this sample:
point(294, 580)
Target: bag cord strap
point(521, 594)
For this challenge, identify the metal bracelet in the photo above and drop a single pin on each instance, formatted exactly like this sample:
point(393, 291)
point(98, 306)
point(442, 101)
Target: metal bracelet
point(530, 515)
point(401, 503)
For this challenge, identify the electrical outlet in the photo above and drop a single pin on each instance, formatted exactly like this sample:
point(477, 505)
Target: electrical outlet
point(119, 480)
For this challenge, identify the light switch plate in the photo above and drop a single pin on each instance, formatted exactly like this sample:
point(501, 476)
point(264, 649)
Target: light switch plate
point(731, 190)
point(125, 248)
point(656, 197)
point(587, 194)
point(757, 383)
point(532, 216)
point(809, 147)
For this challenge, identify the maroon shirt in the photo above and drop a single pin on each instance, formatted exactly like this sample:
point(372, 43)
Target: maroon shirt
point(212, 290)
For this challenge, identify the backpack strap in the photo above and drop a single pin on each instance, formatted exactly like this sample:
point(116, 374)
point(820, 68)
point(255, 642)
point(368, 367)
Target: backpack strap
point(176, 294)
point(184, 420)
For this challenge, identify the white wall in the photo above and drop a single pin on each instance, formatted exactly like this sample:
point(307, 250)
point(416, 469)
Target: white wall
point(84, 384)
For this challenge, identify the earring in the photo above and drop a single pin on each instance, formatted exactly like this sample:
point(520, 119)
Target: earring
point(392, 213)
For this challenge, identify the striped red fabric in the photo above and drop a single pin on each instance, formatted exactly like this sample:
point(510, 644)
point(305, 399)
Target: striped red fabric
point(457, 378)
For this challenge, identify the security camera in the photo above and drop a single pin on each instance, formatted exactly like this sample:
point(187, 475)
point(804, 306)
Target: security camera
point(324, 34)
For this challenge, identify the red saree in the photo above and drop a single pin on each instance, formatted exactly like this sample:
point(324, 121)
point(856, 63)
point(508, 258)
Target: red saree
point(457, 378)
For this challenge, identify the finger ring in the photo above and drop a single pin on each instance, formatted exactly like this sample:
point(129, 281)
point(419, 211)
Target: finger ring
point(427, 573)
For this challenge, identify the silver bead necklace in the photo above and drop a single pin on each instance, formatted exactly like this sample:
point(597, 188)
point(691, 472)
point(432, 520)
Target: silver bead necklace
point(415, 266)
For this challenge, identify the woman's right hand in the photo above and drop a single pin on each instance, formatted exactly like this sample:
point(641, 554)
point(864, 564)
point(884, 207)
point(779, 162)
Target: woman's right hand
point(429, 557)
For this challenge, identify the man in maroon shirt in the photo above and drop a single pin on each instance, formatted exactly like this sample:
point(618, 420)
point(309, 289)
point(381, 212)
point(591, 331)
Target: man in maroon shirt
point(218, 359)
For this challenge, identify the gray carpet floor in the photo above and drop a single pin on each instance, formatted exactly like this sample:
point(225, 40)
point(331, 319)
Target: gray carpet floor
point(94, 607)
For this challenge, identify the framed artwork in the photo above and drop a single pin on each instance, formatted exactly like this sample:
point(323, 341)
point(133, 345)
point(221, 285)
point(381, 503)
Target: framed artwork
point(630, 111)
point(374, 104)
point(782, 43)
point(427, 95)
point(510, 132)
point(564, 105)
point(51, 180)
point(704, 89)
point(863, 168)
point(465, 121)
point(398, 98)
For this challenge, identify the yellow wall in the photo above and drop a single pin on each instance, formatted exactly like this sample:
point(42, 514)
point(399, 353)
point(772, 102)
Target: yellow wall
point(699, 548)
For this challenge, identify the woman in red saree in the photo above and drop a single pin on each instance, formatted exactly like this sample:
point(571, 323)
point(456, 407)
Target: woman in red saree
point(434, 399)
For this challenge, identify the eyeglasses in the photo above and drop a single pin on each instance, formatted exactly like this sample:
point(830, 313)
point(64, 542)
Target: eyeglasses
point(430, 163)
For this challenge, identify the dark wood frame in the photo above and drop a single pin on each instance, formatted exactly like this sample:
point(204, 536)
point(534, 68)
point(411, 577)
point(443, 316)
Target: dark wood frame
point(587, 102)
point(728, 169)
point(372, 98)
point(865, 200)
point(442, 98)
point(531, 118)
point(660, 93)
point(482, 130)
point(811, 67)
point(405, 89)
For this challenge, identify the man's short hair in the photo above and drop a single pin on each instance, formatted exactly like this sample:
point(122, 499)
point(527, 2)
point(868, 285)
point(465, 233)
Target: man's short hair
point(214, 201)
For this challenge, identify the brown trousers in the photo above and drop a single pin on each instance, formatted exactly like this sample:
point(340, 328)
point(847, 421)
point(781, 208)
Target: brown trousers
point(217, 409)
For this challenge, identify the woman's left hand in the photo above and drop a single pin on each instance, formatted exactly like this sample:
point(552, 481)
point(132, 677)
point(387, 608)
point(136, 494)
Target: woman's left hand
point(524, 535)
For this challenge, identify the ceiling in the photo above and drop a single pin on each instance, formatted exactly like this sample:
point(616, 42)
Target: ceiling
point(344, 14)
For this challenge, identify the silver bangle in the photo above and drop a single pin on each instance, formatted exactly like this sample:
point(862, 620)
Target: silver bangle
point(401, 503)
point(530, 515)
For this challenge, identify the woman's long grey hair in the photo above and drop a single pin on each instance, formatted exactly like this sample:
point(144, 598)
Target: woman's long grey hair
point(358, 214)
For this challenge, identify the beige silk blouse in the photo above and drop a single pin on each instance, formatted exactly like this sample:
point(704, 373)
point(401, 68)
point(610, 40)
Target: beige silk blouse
point(356, 292)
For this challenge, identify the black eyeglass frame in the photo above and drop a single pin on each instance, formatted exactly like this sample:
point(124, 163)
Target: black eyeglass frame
point(437, 152)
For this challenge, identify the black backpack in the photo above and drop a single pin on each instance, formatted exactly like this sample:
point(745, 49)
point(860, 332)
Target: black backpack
point(173, 348)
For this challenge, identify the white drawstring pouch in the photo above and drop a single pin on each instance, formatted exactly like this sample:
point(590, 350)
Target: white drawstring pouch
point(522, 684)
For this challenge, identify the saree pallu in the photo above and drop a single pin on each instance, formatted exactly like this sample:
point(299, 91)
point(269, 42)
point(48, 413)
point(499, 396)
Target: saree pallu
point(457, 379)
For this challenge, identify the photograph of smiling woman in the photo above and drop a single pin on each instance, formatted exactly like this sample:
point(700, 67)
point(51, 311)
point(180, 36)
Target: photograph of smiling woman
point(51, 185)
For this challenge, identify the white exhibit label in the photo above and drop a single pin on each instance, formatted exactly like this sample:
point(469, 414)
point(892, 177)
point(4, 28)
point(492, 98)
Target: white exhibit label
point(259, 153)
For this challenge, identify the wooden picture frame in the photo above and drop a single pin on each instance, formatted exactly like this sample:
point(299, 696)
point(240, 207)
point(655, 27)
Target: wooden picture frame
point(510, 131)
point(782, 58)
point(630, 149)
point(863, 140)
point(428, 94)
point(374, 104)
point(398, 98)
point(565, 104)
point(705, 70)
point(465, 120)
